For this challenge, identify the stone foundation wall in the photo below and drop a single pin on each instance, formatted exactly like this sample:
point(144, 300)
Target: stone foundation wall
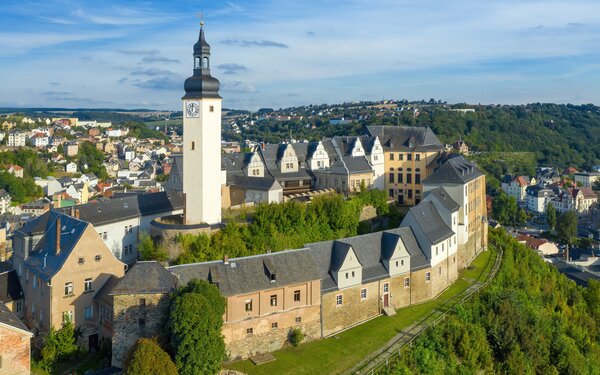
point(128, 316)
point(477, 243)
point(267, 338)
point(353, 309)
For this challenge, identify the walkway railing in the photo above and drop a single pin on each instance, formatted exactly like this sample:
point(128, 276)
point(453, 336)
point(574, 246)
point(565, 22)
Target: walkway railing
point(392, 353)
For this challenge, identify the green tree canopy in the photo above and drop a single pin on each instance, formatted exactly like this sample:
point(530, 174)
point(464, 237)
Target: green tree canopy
point(195, 322)
point(551, 212)
point(148, 358)
point(566, 227)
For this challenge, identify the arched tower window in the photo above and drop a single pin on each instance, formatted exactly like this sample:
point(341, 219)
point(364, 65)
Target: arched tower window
point(205, 63)
point(197, 62)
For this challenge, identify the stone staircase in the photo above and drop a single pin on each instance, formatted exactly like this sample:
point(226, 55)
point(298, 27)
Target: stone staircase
point(389, 311)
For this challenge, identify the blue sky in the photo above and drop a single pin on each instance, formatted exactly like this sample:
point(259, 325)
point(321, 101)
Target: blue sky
point(277, 53)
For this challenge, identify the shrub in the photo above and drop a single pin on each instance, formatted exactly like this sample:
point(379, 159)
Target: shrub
point(148, 358)
point(296, 336)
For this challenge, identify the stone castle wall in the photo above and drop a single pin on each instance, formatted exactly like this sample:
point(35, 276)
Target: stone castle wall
point(133, 320)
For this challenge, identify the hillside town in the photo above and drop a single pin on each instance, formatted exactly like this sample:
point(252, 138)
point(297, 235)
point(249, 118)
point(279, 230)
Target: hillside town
point(84, 200)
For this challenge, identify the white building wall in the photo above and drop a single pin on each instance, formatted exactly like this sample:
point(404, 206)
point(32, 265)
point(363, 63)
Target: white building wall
point(202, 164)
point(117, 238)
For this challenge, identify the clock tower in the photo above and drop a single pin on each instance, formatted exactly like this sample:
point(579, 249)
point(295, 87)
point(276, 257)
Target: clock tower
point(202, 140)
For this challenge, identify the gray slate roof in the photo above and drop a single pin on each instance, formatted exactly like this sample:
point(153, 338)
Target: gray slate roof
point(431, 223)
point(399, 138)
point(256, 183)
point(250, 274)
point(10, 287)
point(145, 278)
point(444, 198)
point(8, 318)
point(453, 169)
point(45, 250)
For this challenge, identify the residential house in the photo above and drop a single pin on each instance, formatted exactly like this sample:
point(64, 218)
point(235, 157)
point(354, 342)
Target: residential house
point(118, 221)
point(409, 152)
point(61, 274)
point(15, 170)
point(71, 167)
point(5, 201)
point(541, 245)
point(11, 293)
point(15, 344)
point(50, 185)
point(39, 140)
point(586, 179)
point(516, 186)
point(17, 139)
point(537, 198)
point(71, 149)
point(36, 208)
point(579, 200)
point(461, 147)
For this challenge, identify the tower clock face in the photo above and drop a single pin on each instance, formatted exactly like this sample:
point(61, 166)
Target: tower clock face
point(192, 109)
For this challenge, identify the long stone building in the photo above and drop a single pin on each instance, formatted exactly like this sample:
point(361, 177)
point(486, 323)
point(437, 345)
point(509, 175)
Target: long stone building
point(325, 287)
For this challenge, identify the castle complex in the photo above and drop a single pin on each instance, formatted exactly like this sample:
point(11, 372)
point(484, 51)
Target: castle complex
point(68, 269)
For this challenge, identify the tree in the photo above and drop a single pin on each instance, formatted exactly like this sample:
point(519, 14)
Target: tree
point(551, 212)
point(148, 358)
point(567, 226)
point(151, 251)
point(59, 345)
point(195, 322)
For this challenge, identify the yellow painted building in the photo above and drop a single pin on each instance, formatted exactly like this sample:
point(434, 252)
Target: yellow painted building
point(409, 153)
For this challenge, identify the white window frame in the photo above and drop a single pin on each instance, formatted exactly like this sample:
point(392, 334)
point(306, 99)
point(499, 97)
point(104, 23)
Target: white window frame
point(363, 294)
point(339, 300)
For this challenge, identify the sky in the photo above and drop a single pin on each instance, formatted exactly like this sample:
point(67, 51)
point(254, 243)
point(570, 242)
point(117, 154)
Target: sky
point(279, 53)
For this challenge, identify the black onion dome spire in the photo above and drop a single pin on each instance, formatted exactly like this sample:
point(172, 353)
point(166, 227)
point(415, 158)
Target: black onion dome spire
point(201, 84)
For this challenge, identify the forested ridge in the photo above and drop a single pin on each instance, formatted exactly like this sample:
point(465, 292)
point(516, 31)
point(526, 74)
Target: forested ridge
point(529, 319)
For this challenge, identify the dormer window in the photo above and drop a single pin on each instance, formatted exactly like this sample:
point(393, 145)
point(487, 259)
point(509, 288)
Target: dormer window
point(273, 278)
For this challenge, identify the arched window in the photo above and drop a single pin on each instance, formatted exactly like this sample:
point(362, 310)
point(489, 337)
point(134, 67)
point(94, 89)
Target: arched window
point(205, 63)
point(391, 169)
point(196, 62)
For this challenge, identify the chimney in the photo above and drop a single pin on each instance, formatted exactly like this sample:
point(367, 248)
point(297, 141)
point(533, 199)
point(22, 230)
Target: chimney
point(225, 259)
point(72, 214)
point(262, 145)
point(77, 213)
point(58, 228)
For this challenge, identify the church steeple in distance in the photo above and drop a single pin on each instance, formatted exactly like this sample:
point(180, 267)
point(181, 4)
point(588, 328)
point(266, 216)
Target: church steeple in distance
point(201, 84)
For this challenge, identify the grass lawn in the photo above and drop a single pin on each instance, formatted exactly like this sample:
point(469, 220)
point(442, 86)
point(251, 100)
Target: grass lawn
point(339, 353)
point(92, 361)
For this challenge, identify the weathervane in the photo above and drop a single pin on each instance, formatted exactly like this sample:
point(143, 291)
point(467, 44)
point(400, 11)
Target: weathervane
point(201, 17)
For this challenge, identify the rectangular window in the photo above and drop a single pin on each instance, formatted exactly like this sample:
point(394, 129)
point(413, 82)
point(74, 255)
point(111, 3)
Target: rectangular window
point(19, 306)
point(142, 302)
point(410, 191)
point(406, 282)
point(386, 287)
point(408, 156)
point(249, 331)
point(34, 281)
point(391, 177)
point(417, 179)
point(211, 108)
point(409, 178)
point(427, 277)
point(88, 312)
point(298, 320)
point(296, 296)
point(339, 300)
point(391, 156)
point(440, 272)
point(249, 305)
point(81, 260)
point(193, 146)
point(88, 285)
point(391, 192)
point(68, 288)
point(417, 157)
point(97, 258)
point(274, 325)
point(363, 293)
point(274, 300)
point(400, 156)
point(400, 179)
